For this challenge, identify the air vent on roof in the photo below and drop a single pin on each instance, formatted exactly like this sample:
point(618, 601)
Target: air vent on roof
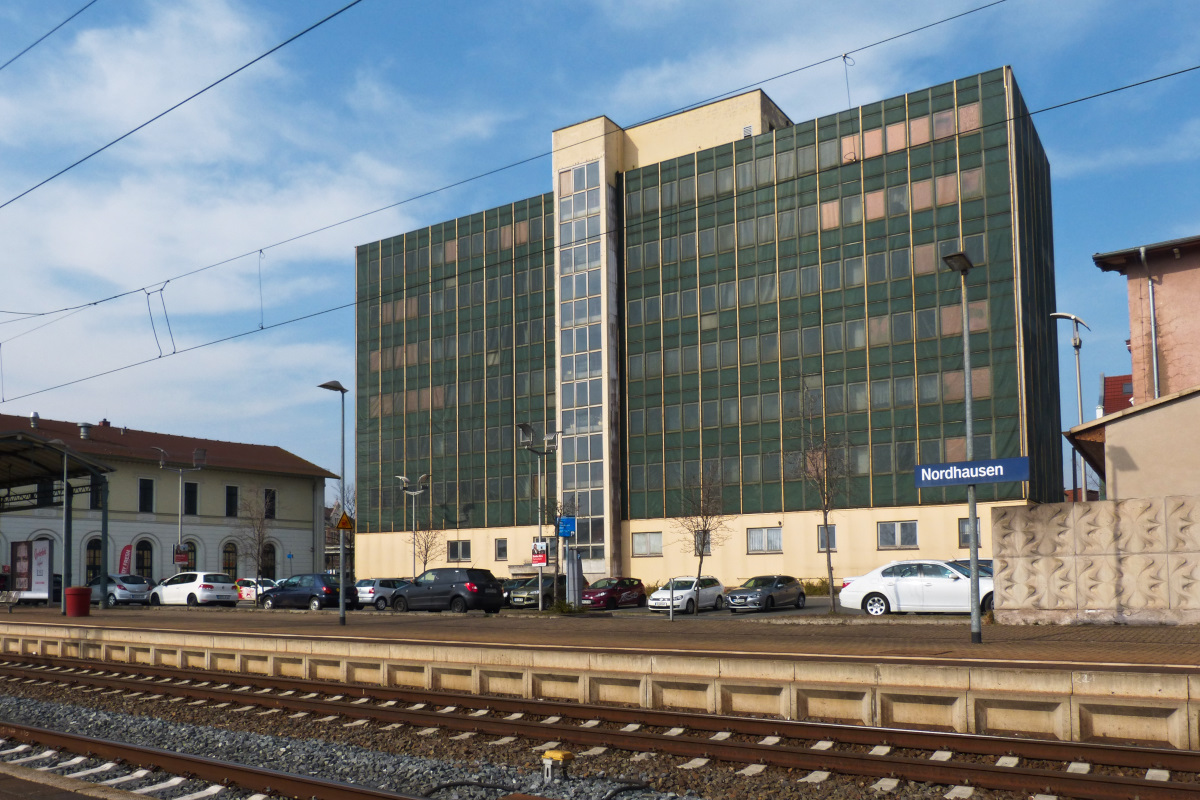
point(747, 131)
point(33, 420)
point(85, 430)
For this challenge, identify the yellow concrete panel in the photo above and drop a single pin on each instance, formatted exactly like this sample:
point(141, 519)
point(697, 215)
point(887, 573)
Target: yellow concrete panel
point(958, 678)
point(757, 669)
point(1131, 684)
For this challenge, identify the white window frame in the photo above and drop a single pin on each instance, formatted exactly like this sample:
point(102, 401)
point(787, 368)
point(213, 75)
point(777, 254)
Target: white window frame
point(895, 532)
point(822, 534)
point(455, 550)
point(651, 546)
point(964, 542)
point(758, 540)
point(500, 557)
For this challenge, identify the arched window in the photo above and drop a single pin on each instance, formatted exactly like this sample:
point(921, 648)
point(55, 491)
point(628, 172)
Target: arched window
point(92, 559)
point(267, 569)
point(143, 559)
point(229, 559)
point(190, 548)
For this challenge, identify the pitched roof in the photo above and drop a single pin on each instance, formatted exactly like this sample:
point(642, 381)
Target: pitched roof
point(1116, 397)
point(106, 442)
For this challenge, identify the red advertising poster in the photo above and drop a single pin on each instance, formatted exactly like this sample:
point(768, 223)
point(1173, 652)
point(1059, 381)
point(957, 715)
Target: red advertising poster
point(126, 564)
point(539, 554)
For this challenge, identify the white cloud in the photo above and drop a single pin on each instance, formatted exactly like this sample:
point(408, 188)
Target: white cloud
point(1176, 146)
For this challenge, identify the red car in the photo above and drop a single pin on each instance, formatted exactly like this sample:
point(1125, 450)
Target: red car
point(614, 592)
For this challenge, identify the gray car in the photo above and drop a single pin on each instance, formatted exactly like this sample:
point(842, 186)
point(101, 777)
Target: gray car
point(378, 591)
point(765, 593)
point(122, 590)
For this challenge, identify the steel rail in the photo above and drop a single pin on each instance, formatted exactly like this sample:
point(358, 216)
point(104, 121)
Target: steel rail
point(203, 768)
point(910, 768)
point(1115, 755)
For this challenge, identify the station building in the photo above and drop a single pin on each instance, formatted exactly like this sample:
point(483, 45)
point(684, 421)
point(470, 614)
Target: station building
point(242, 497)
point(694, 292)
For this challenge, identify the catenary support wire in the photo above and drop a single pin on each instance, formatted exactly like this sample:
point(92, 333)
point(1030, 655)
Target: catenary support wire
point(48, 34)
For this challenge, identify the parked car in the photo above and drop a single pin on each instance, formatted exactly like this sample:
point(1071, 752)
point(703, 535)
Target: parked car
point(506, 589)
point(250, 588)
point(903, 586)
point(613, 593)
point(527, 596)
point(195, 589)
point(963, 565)
point(458, 589)
point(378, 591)
point(314, 591)
point(689, 597)
point(122, 590)
point(766, 592)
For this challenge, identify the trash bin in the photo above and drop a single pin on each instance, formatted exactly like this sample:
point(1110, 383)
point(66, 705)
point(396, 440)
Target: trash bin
point(79, 601)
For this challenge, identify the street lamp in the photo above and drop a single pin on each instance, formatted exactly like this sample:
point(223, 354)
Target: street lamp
point(414, 494)
point(199, 457)
point(550, 445)
point(334, 386)
point(961, 263)
point(1077, 343)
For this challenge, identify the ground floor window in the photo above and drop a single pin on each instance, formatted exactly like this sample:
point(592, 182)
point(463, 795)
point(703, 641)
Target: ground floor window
point(764, 540)
point(894, 535)
point(826, 538)
point(647, 543)
point(964, 538)
point(92, 559)
point(143, 559)
point(502, 549)
point(229, 559)
point(189, 548)
point(458, 551)
point(267, 568)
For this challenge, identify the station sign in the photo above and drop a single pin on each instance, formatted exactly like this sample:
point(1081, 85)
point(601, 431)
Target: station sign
point(963, 473)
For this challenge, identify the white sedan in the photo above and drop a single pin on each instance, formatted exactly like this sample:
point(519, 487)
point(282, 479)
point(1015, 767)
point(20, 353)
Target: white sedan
point(915, 586)
point(195, 589)
point(687, 596)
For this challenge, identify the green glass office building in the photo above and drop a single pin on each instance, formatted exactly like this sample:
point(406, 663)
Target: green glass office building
point(692, 294)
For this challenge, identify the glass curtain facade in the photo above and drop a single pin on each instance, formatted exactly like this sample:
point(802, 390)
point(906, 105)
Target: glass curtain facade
point(707, 305)
point(798, 274)
point(455, 346)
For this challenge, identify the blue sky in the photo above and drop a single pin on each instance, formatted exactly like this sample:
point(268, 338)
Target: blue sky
point(390, 100)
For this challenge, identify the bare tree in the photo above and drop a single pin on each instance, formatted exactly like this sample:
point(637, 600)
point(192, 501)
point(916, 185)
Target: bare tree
point(702, 523)
point(825, 471)
point(252, 531)
point(351, 504)
point(427, 542)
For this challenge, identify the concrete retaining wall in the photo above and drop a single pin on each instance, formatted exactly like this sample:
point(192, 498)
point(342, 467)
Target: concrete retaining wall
point(1157, 708)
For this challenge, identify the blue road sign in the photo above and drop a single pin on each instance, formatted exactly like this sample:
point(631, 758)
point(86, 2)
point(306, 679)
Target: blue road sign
point(962, 473)
point(566, 526)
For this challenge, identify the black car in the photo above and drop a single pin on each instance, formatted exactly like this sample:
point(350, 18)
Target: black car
point(458, 589)
point(313, 591)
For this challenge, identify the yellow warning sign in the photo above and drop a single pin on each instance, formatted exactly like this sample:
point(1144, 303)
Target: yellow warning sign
point(345, 523)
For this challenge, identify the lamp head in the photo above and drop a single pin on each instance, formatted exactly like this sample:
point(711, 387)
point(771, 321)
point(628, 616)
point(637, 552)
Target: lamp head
point(1072, 317)
point(524, 434)
point(551, 442)
point(403, 481)
point(162, 456)
point(199, 457)
point(333, 386)
point(959, 262)
point(423, 480)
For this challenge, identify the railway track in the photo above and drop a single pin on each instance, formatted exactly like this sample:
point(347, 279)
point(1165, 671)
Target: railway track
point(1050, 768)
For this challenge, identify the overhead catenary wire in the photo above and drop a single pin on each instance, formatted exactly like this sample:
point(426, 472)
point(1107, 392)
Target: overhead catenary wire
point(500, 169)
point(183, 102)
point(378, 297)
point(48, 33)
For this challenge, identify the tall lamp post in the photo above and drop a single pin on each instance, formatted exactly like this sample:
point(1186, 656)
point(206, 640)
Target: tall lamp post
point(199, 457)
point(960, 263)
point(550, 445)
point(1076, 458)
point(422, 482)
point(334, 386)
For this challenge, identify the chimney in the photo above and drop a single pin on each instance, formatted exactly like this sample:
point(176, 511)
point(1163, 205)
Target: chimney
point(33, 420)
point(105, 423)
point(85, 430)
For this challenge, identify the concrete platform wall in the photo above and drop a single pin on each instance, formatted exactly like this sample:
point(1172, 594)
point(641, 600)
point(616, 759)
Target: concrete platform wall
point(1156, 708)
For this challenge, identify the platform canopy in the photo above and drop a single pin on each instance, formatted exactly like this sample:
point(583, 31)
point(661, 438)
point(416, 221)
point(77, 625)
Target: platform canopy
point(27, 460)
